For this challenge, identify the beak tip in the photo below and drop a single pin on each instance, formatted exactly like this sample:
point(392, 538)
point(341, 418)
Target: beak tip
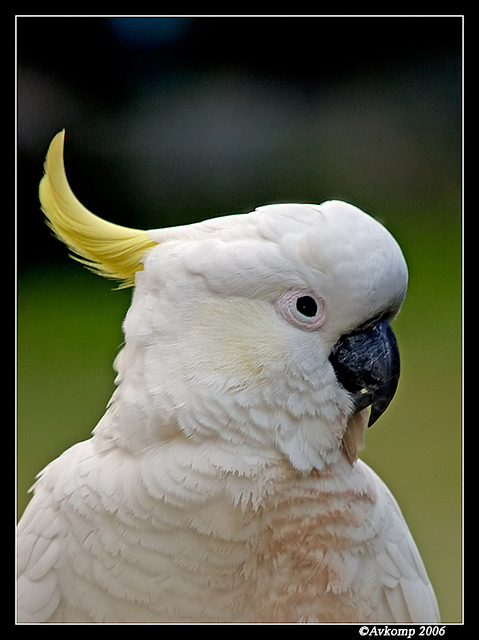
point(379, 406)
point(373, 417)
point(366, 399)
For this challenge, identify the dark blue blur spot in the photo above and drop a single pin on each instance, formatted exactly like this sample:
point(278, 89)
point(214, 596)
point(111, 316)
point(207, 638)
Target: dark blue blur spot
point(148, 32)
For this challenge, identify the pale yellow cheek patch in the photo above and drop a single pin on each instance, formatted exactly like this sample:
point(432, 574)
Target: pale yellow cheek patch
point(240, 336)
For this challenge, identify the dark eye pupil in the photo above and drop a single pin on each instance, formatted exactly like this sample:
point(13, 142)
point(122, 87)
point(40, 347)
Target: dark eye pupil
point(307, 306)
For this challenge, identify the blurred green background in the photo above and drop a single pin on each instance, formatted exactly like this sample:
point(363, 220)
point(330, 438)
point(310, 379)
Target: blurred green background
point(173, 120)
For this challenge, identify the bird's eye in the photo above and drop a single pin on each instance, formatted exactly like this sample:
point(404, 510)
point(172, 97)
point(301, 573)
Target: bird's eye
point(302, 309)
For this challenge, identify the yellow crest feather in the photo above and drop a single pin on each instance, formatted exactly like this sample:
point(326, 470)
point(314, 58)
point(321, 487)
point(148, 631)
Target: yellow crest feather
point(108, 249)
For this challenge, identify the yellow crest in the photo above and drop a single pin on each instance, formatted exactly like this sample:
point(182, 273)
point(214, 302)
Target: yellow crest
point(108, 249)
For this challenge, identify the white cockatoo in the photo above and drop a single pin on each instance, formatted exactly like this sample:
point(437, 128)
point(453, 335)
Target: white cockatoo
point(223, 484)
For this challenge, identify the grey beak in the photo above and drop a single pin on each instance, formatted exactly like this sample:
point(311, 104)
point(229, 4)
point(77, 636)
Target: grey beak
point(366, 364)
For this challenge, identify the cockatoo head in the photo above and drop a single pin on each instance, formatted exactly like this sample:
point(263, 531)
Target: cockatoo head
point(269, 328)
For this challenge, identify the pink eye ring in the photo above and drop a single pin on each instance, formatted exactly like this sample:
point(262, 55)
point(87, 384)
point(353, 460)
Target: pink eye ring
point(302, 308)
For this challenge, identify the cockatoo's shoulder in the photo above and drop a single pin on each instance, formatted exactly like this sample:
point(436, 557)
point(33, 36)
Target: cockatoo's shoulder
point(407, 594)
point(39, 547)
point(45, 531)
